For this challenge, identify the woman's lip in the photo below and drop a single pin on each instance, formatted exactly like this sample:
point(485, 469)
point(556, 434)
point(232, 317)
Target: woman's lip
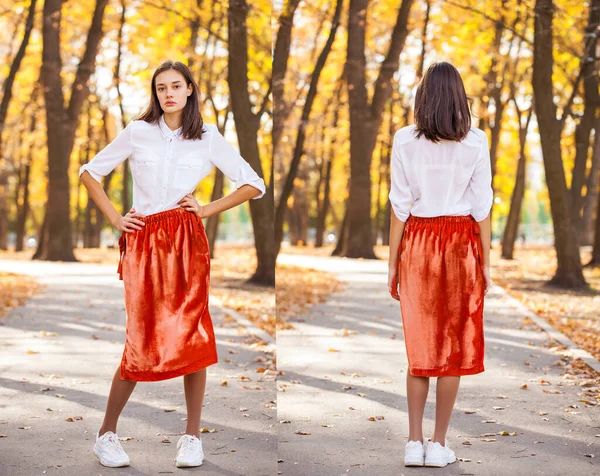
point(170, 103)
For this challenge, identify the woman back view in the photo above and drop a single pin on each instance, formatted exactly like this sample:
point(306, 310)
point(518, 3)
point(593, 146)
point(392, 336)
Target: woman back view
point(440, 236)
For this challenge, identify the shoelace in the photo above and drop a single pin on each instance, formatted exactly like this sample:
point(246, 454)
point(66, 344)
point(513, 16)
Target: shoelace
point(114, 444)
point(189, 444)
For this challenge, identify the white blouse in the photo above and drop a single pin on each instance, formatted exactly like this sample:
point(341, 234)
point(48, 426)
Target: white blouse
point(447, 178)
point(165, 167)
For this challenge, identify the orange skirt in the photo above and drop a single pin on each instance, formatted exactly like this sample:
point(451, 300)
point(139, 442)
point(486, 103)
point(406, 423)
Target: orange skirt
point(440, 272)
point(165, 268)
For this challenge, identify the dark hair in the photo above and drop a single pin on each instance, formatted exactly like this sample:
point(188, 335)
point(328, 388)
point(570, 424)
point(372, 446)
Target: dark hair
point(441, 105)
point(191, 120)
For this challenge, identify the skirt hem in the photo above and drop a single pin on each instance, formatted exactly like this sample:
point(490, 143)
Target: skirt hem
point(446, 372)
point(150, 376)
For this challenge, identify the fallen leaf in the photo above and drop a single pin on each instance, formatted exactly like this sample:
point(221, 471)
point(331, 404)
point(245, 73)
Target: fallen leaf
point(499, 408)
point(488, 440)
point(206, 430)
point(243, 378)
point(552, 391)
point(223, 383)
point(300, 432)
point(169, 410)
point(29, 351)
point(331, 349)
point(524, 387)
point(255, 387)
point(470, 412)
point(376, 418)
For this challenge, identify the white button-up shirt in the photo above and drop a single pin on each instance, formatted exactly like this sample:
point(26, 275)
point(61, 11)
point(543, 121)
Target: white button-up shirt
point(447, 178)
point(165, 167)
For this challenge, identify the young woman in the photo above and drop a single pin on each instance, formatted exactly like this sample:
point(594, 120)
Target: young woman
point(439, 260)
point(165, 262)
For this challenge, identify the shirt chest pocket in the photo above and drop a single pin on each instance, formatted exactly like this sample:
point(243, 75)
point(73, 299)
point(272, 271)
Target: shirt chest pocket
point(146, 171)
point(188, 172)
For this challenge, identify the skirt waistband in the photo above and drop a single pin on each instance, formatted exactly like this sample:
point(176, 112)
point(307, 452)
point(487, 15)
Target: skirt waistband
point(154, 217)
point(442, 219)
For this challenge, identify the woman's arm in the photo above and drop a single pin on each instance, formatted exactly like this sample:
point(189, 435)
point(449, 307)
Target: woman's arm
point(396, 232)
point(98, 195)
point(235, 198)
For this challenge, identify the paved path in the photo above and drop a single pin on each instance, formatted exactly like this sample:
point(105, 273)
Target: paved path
point(345, 362)
point(84, 305)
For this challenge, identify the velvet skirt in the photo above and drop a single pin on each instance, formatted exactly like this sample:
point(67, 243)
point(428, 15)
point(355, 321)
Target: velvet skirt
point(440, 275)
point(165, 269)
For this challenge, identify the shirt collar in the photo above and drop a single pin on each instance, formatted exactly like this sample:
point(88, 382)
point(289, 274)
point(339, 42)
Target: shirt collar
point(166, 132)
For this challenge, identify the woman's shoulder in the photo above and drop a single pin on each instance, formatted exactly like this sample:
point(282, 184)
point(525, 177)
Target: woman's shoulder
point(405, 134)
point(475, 137)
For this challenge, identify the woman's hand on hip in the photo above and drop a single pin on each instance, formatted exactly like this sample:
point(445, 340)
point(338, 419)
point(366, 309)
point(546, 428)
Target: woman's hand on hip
point(130, 222)
point(190, 204)
point(393, 283)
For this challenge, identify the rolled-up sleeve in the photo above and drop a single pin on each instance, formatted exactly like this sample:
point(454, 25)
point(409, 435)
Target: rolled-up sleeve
point(400, 195)
point(228, 160)
point(110, 156)
point(480, 193)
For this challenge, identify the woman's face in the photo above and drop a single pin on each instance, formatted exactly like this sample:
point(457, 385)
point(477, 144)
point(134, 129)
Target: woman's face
point(172, 91)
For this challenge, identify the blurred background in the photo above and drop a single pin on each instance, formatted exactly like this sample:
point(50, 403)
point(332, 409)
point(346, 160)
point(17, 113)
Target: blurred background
point(75, 73)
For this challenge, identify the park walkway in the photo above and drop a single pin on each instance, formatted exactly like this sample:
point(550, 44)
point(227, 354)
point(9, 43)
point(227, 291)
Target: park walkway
point(68, 375)
point(342, 398)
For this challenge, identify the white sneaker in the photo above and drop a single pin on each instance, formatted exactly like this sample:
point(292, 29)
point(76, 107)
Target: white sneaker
point(109, 450)
point(414, 453)
point(438, 456)
point(189, 452)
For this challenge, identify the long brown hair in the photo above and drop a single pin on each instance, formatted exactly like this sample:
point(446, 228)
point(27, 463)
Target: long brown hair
point(191, 119)
point(442, 109)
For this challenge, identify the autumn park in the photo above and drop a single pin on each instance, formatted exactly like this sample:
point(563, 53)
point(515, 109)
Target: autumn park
point(306, 98)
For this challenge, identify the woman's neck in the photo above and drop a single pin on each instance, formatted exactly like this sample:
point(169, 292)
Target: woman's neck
point(173, 120)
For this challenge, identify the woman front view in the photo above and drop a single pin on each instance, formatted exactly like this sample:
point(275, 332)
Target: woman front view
point(165, 261)
point(440, 236)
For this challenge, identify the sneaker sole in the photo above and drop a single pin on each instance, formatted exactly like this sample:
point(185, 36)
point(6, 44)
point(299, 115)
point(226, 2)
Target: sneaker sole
point(438, 464)
point(188, 465)
point(110, 465)
point(413, 463)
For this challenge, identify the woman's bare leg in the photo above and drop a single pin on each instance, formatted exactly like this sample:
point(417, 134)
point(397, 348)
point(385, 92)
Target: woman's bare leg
point(445, 396)
point(120, 391)
point(194, 385)
point(417, 389)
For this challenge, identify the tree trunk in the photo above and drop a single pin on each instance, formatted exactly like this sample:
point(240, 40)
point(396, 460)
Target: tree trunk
point(595, 261)
point(365, 120)
point(7, 90)
point(246, 125)
point(300, 138)
point(212, 222)
point(342, 232)
point(584, 127)
point(591, 196)
point(56, 244)
point(125, 191)
point(516, 201)
point(281, 55)
point(569, 271)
